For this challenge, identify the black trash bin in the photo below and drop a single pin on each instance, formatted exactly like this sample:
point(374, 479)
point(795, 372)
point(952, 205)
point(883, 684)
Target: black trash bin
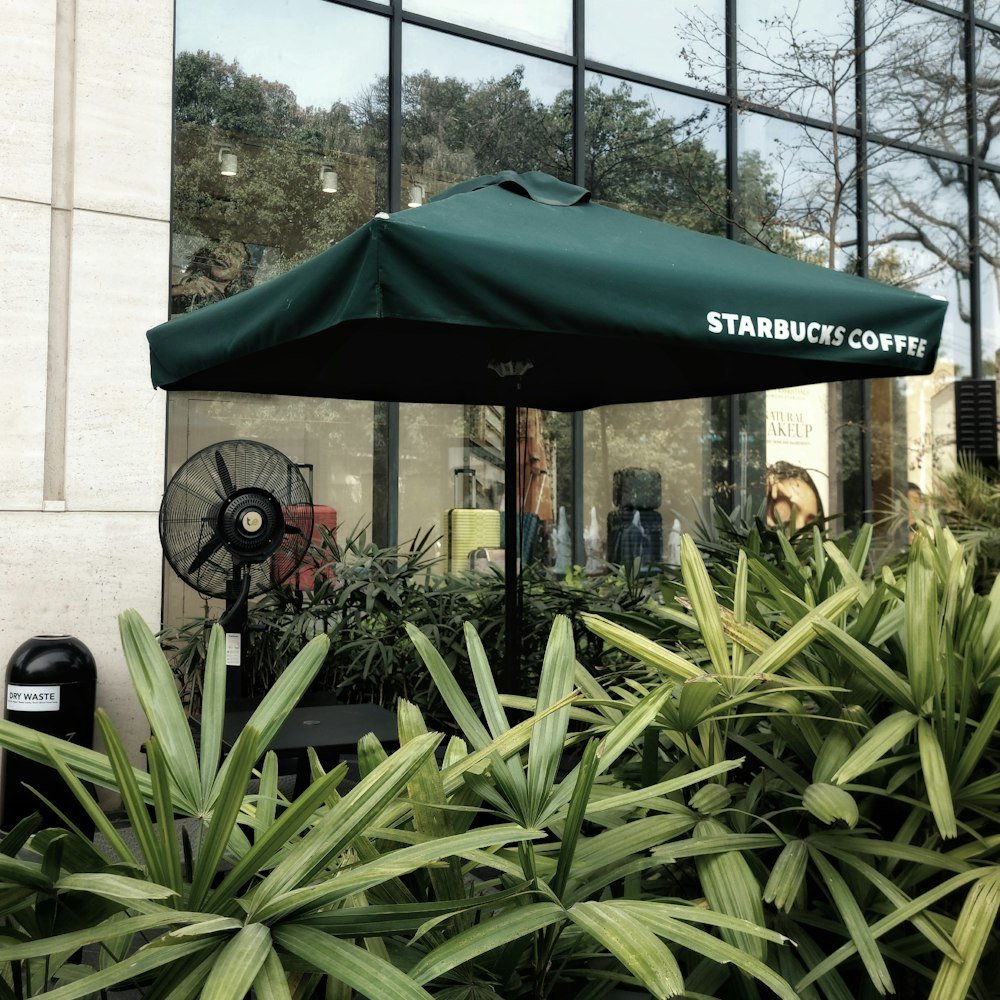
point(51, 688)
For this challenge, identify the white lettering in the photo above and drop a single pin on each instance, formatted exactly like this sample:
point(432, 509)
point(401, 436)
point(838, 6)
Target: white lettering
point(813, 332)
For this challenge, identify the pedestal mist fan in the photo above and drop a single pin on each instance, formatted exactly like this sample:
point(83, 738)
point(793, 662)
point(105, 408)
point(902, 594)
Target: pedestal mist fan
point(235, 519)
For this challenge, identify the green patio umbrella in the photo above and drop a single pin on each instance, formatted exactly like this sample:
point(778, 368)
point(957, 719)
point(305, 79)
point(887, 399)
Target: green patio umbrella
point(518, 289)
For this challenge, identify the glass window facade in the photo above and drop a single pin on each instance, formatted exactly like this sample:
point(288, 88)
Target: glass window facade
point(862, 143)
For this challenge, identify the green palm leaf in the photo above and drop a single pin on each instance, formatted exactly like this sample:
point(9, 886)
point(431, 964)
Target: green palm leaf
point(100, 933)
point(426, 792)
point(545, 748)
point(854, 922)
point(283, 695)
point(787, 875)
point(867, 663)
point(972, 932)
point(672, 921)
point(642, 648)
point(648, 797)
point(800, 635)
point(229, 799)
point(627, 938)
point(705, 606)
point(86, 764)
point(730, 886)
point(156, 690)
point(364, 972)
point(904, 910)
point(830, 803)
point(341, 824)
point(271, 841)
point(936, 780)
point(213, 709)
point(237, 964)
point(490, 935)
point(382, 868)
point(155, 956)
point(875, 744)
point(133, 800)
point(922, 622)
point(271, 982)
point(453, 696)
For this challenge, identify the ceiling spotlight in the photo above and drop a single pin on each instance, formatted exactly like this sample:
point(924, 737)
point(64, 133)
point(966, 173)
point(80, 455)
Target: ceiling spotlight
point(328, 179)
point(417, 195)
point(227, 162)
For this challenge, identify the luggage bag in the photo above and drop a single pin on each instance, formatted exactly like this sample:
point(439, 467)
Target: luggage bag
point(635, 534)
point(468, 529)
point(304, 575)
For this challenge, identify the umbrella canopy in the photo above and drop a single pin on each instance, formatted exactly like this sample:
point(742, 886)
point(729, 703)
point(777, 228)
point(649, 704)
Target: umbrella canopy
point(523, 275)
point(417, 306)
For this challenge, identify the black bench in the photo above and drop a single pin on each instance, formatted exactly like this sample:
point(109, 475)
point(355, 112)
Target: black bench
point(331, 729)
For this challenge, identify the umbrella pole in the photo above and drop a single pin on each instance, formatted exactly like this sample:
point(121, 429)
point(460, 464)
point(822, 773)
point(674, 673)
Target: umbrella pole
point(512, 585)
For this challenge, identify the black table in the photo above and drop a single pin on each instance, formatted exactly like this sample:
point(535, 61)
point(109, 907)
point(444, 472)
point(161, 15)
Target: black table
point(332, 730)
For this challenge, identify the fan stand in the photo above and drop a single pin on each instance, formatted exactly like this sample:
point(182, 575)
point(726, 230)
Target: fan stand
point(234, 623)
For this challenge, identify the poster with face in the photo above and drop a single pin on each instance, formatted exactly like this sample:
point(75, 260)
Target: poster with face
point(797, 479)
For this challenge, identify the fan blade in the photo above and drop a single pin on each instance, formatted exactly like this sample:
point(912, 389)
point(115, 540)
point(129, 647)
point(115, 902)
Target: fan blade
point(292, 529)
point(224, 478)
point(207, 551)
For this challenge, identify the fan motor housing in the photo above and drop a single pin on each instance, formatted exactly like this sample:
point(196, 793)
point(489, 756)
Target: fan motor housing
point(251, 524)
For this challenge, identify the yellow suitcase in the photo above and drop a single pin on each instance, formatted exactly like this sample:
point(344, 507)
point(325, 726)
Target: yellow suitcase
point(468, 529)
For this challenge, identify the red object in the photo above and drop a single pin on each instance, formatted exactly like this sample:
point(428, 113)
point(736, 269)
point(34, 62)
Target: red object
point(304, 577)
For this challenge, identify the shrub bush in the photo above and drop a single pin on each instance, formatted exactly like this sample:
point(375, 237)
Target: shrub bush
point(366, 594)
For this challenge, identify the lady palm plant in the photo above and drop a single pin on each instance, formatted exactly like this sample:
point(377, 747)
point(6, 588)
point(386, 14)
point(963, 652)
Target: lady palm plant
point(361, 597)
point(488, 869)
point(813, 759)
point(822, 677)
point(582, 921)
point(967, 499)
point(232, 907)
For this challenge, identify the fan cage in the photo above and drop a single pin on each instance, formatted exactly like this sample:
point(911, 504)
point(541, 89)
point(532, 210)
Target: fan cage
point(197, 494)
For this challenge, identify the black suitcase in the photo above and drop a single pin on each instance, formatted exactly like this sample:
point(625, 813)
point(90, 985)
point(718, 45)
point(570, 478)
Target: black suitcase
point(638, 489)
point(635, 534)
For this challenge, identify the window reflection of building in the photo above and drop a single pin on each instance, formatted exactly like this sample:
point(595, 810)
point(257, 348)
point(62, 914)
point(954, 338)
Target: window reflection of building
point(798, 436)
point(319, 96)
point(212, 273)
point(792, 498)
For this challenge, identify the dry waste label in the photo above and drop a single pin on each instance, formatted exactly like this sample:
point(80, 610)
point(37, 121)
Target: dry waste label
point(32, 697)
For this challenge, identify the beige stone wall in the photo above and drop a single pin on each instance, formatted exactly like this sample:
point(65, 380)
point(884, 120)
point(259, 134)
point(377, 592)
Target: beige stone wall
point(85, 132)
